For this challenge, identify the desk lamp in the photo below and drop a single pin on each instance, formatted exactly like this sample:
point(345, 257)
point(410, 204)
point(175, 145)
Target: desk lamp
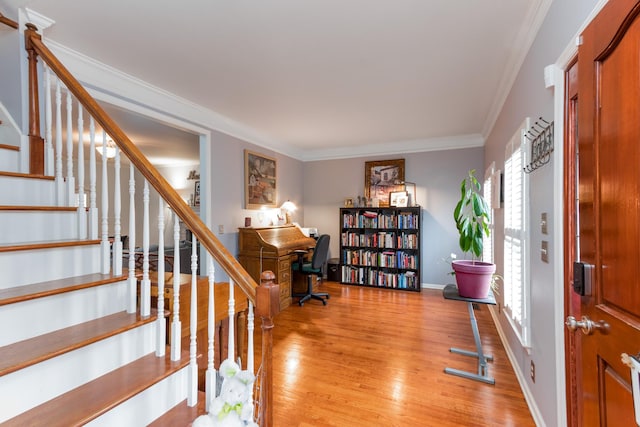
point(288, 207)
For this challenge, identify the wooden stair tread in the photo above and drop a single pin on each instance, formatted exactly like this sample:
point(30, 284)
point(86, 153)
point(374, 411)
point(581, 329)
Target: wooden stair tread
point(52, 287)
point(27, 175)
point(182, 414)
point(39, 208)
point(89, 401)
point(45, 245)
point(38, 349)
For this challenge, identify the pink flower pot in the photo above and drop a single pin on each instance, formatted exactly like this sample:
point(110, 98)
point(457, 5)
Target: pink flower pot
point(473, 278)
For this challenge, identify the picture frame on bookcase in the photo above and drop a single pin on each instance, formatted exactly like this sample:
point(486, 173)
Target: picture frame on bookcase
point(381, 177)
point(260, 189)
point(398, 199)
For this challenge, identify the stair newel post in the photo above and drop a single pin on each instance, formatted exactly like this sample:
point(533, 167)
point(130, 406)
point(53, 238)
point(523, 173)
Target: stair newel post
point(133, 280)
point(48, 123)
point(267, 306)
point(145, 284)
point(161, 327)
point(210, 375)
point(104, 243)
point(82, 211)
point(192, 397)
point(60, 199)
point(117, 203)
point(93, 210)
point(71, 182)
point(36, 142)
point(176, 326)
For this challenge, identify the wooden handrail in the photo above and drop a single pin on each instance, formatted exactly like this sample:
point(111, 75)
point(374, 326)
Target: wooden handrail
point(206, 237)
point(7, 21)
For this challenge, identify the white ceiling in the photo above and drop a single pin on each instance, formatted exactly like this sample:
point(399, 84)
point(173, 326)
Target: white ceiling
point(315, 75)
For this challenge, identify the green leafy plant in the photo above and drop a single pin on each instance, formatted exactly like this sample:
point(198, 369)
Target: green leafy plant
point(472, 216)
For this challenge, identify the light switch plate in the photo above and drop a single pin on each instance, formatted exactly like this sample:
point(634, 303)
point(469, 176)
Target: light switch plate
point(543, 222)
point(544, 251)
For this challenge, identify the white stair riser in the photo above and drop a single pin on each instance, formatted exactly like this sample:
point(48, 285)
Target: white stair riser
point(32, 386)
point(18, 191)
point(145, 407)
point(40, 265)
point(39, 316)
point(9, 160)
point(37, 226)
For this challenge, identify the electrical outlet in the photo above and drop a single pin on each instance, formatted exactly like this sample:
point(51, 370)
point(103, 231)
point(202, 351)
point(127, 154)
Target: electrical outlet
point(221, 229)
point(533, 371)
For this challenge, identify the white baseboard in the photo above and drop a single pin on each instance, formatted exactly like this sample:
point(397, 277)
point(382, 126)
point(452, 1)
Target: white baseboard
point(526, 391)
point(432, 286)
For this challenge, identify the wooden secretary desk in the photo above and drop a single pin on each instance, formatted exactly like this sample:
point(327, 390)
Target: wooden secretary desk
point(271, 248)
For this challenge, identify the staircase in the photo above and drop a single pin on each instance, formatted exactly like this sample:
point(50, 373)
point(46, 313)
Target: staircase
point(80, 342)
point(70, 354)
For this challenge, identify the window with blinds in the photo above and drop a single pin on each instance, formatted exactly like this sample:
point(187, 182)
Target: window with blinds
point(487, 188)
point(516, 289)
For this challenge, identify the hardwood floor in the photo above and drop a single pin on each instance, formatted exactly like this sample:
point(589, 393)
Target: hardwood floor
point(376, 357)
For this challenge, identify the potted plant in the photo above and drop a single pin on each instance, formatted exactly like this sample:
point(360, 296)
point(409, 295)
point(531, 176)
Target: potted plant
point(472, 216)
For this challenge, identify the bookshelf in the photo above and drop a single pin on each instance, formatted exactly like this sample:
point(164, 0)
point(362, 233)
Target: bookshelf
point(380, 247)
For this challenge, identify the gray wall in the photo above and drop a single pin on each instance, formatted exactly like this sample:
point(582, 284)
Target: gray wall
point(227, 191)
point(437, 175)
point(529, 98)
point(10, 85)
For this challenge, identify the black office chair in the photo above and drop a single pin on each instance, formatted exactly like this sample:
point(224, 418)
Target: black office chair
point(313, 268)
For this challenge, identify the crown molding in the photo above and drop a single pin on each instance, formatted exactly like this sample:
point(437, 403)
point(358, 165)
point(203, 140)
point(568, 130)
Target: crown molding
point(524, 40)
point(398, 147)
point(114, 86)
point(111, 81)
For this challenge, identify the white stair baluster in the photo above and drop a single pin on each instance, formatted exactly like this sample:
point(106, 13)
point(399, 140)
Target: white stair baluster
point(104, 244)
point(116, 247)
point(93, 207)
point(232, 306)
point(176, 325)
point(82, 211)
point(48, 145)
point(145, 284)
point(71, 184)
point(133, 281)
point(192, 395)
point(250, 329)
point(60, 199)
point(210, 376)
point(161, 327)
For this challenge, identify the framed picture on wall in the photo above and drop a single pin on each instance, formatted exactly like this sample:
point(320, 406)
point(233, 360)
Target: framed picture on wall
point(196, 194)
point(383, 177)
point(398, 199)
point(260, 189)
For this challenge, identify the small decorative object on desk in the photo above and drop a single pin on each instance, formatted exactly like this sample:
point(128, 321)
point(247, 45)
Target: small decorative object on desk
point(233, 407)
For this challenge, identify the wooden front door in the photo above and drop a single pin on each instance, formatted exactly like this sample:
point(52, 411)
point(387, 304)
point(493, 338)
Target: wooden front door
point(607, 223)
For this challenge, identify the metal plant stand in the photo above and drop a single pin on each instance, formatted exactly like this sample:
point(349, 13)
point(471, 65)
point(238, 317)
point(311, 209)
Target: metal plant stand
point(451, 292)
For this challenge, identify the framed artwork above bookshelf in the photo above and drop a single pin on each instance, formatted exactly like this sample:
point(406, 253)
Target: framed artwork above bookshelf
point(381, 247)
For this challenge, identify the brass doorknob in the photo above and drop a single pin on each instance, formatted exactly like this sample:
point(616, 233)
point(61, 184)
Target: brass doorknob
point(587, 325)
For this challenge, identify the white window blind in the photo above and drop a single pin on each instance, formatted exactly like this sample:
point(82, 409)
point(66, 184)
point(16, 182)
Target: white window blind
point(516, 289)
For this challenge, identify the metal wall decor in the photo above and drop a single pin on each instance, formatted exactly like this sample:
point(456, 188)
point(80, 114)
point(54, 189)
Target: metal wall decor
point(541, 137)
